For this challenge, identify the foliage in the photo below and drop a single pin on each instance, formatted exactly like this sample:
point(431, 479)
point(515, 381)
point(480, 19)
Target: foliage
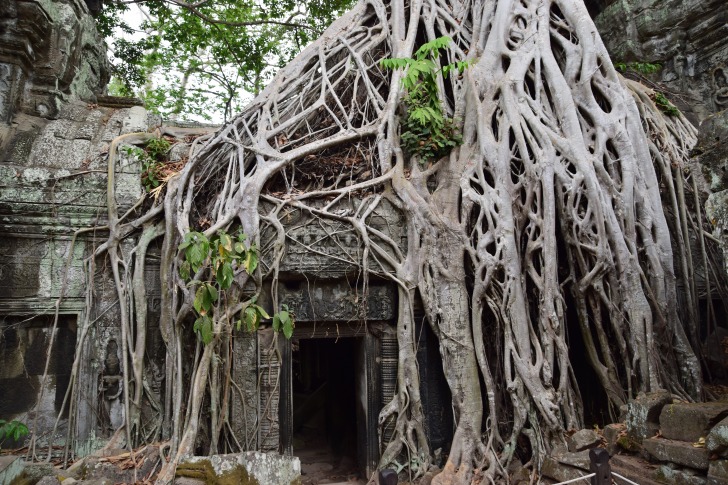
point(200, 58)
point(643, 68)
point(13, 430)
point(220, 258)
point(665, 105)
point(152, 158)
point(426, 132)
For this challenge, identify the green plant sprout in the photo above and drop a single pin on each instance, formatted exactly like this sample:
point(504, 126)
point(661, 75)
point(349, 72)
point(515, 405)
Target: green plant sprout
point(426, 132)
point(638, 67)
point(152, 157)
point(13, 430)
point(665, 105)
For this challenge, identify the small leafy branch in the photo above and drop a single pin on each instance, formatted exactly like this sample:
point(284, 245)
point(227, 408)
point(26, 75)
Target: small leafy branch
point(426, 132)
point(153, 157)
point(643, 68)
point(222, 255)
point(13, 430)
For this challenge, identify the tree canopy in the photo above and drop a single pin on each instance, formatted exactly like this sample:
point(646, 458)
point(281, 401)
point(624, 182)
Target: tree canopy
point(201, 58)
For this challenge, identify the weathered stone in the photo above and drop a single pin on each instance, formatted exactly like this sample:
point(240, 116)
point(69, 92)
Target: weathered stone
point(321, 301)
point(718, 472)
point(49, 481)
point(578, 459)
point(690, 421)
point(643, 413)
point(717, 439)
point(553, 469)
point(634, 468)
point(35, 471)
point(583, 440)
point(676, 476)
point(10, 468)
point(49, 51)
point(188, 481)
point(688, 38)
point(678, 452)
point(611, 434)
point(251, 468)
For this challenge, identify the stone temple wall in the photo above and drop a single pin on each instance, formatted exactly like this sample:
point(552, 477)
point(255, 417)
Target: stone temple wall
point(689, 38)
point(50, 52)
point(53, 184)
point(54, 140)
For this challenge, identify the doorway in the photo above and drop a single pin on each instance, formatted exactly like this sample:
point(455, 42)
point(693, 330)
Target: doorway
point(328, 407)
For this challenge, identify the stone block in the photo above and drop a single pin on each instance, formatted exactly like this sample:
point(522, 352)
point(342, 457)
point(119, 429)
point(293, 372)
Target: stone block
point(49, 481)
point(135, 120)
point(718, 472)
point(643, 413)
point(268, 468)
point(691, 421)
point(578, 460)
point(717, 439)
point(583, 440)
point(678, 452)
point(558, 471)
point(10, 468)
point(676, 476)
point(611, 435)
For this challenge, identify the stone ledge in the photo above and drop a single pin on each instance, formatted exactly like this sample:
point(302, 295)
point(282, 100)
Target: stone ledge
point(691, 421)
point(677, 452)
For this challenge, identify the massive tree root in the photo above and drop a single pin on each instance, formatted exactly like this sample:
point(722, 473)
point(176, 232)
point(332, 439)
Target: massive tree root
point(565, 191)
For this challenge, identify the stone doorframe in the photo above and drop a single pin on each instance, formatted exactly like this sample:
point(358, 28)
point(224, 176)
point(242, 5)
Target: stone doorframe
point(372, 333)
point(272, 410)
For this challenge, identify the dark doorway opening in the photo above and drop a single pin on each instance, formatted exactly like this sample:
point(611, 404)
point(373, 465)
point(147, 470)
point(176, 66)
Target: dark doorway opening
point(24, 344)
point(327, 406)
point(594, 397)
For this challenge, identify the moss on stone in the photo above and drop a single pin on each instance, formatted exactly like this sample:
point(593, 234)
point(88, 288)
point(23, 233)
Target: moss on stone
point(628, 444)
point(203, 470)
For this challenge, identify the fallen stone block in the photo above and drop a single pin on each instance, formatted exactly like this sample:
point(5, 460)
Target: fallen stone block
point(268, 468)
point(611, 434)
point(643, 414)
point(583, 439)
point(676, 476)
point(49, 480)
point(691, 421)
point(10, 468)
point(558, 471)
point(578, 460)
point(717, 439)
point(718, 472)
point(678, 452)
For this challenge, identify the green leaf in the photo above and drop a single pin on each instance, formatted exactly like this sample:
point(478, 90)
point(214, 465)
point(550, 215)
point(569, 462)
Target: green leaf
point(206, 330)
point(199, 303)
point(261, 311)
point(226, 243)
point(276, 322)
point(184, 270)
point(288, 328)
point(251, 260)
point(227, 276)
point(252, 318)
point(212, 292)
